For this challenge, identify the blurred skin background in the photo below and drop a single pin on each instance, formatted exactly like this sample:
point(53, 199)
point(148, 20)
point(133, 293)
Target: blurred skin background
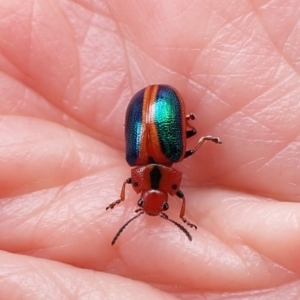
point(68, 71)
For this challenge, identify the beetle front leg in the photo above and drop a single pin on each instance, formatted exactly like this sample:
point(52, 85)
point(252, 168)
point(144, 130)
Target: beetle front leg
point(122, 195)
point(202, 140)
point(182, 211)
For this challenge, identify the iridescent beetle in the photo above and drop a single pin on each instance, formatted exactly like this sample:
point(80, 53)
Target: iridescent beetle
point(155, 134)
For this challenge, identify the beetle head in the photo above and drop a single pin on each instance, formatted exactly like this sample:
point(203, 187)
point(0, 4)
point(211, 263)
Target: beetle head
point(153, 202)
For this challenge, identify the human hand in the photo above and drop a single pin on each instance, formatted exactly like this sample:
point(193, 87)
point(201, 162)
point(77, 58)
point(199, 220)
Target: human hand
point(69, 69)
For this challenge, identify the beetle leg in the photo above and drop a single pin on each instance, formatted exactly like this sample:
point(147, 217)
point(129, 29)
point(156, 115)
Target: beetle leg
point(190, 116)
point(202, 140)
point(193, 131)
point(122, 195)
point(182, 211)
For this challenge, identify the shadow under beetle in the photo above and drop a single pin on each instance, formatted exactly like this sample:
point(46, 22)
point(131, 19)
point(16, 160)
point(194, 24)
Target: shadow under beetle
point(156, 129)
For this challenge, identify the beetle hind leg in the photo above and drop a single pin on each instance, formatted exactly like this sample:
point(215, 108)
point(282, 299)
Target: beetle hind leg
point(202, 140)
point(182, 211)
point(122, 195)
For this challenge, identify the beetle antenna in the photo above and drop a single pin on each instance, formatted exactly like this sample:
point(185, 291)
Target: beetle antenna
point(182, 228)
point(125, 225)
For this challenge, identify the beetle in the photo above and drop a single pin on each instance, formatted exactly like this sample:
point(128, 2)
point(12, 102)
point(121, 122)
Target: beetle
point(156, 130)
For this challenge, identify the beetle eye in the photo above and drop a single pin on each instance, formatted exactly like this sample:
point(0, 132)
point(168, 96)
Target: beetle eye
point(165, 206)
point(140, 203)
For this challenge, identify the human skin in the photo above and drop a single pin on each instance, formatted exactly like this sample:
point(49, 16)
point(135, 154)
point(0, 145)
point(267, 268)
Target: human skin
point(68, 70)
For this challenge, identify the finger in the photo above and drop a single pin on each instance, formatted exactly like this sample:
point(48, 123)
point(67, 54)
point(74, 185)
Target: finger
point(233, 248)
point(269, 228)
point(240, 238)
point(22, 277)
point(38, 154)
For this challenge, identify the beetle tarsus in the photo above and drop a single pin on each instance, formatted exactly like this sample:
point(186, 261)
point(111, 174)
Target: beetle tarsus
point(189, 224)
point(210, 138)
point(201, 141)
point(213, 139)
point(112, 205)
point(182, 228)
point(122, 195)
point(190, 116)
point(190, 133)
point(193, 131)
point(189, 153)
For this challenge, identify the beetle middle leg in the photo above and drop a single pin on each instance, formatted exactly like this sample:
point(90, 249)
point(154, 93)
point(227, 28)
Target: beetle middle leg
point(182, 211)
point(202, 140)
point(122, 195)
point(193, 131)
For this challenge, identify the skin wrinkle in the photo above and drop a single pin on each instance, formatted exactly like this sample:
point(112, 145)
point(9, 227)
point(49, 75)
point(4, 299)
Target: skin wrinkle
point(68, 85)
point(279, 51)
point(38, 222)
point(108, 117)
point(126, 55)
point(252, 247)
point(233, 58)
point(280, 137)
point(240, 107)
point(92, 25)
point(27, 96)
point(56, 275)
point(274, 156)
point(141, 49)
point(56, 247)
point(95, 79)
point(74, 152)
point(240, 53)
point(250, 102)
point(17, 68)
point(30, 43)
point(86, 32)
point(289, 35)
point(37, 210)
point(217, 96)
point(176, 48)
point(19, 102)
point(184, 10)
point(55, 207)
point(94, 9)
point(189, 80)
point(252, 162)
point(231, 170)
point(271, 90)
point(211, 92)
point(228, 245)
point(60, 109)
point(284, 146)
point(227, 23)
point(139, 71)
point(231, 250)
point(91, 72)
point(63, 93)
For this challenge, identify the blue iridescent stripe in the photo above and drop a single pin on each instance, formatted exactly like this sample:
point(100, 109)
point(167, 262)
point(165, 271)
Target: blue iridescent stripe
point(133, 127)
point(168, 120)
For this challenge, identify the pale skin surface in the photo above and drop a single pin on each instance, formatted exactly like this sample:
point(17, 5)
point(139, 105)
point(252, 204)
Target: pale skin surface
point(68, 70)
